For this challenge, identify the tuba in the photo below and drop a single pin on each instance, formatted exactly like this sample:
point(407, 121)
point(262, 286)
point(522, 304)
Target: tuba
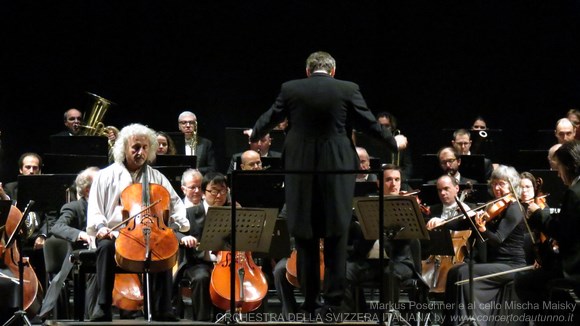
point(94, 123)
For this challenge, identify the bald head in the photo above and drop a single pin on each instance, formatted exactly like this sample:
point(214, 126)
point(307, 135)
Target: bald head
point(251, 160)
point(565, 130)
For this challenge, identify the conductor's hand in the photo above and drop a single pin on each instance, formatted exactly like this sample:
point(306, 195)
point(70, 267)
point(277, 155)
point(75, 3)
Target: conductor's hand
point(3, 194)
point(401, 142)
point(189, 241)
point(248, 132)
point(104, 233)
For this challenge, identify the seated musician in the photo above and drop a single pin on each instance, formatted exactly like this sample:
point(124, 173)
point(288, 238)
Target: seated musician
point(360, 269)
point(132, 152)
point(199, 264)
point(71, 226)
point(191, 187)
point(533, 286)
point(449, 162)
point(504, 251)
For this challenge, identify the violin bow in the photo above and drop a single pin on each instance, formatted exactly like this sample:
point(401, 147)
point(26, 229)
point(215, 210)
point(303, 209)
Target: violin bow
point(460, 205)
point(513, 190)
point(132, 217)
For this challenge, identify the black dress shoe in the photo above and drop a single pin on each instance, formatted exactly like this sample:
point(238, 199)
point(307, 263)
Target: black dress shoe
point(165, 316)
point(102, 316)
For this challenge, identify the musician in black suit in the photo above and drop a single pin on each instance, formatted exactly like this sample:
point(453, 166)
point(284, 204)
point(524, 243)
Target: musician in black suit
point(262, 146)
point(71, 226)
point(73, 119)
point(187, 123)
point(363, 264)
point(198, 264)
point(449, 161)
point(322, 112)
point(563, 227)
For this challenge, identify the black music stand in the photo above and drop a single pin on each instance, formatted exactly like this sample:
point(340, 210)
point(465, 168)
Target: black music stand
point(80, 145)
point(176, 160)
point(72, 163)
point(254, 227)
point(4, 210)
point(49, 191)
point(17, 237)
point(402, 220)
point(260, 190)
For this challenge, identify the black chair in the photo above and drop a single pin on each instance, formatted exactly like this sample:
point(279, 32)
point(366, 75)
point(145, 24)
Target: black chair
point(416, 289)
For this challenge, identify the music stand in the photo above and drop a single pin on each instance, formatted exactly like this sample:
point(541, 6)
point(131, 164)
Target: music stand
point(4, 210)
point(254, 227)
point(473, 166)
point(72, 163)
point(271, 190)
point(402, 220)
point(274, 163)
point(176, 160)
point(17, 237)
point(49, 191)
point(173, 174)
point(80, 145)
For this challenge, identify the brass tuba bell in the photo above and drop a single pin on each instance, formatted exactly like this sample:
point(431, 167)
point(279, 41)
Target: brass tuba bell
point(94, 125)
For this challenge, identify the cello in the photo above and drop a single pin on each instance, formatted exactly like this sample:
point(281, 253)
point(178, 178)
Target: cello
point(32, 290)
point(250, 283)
point(291, 267)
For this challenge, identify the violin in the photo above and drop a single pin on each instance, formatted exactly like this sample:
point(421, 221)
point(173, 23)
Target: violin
point(291, 266)
point(32, 289)
point(495, 209)
point(250, 282)
point(426, 210)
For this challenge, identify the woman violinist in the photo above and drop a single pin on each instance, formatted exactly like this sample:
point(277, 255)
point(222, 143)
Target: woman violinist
point(504, 230)
point(134, 148)
point(533, 287)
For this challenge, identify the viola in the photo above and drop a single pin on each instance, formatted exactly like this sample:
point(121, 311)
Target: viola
point(426, 210)
point(33, 292)
point(291, 266)
point(436, 267)
point(130, 247)
point(250, 282)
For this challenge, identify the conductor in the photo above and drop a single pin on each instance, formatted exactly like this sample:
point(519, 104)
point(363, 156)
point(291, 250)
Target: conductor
point(322, 112)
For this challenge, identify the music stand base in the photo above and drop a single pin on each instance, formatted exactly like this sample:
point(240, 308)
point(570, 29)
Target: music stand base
point(18, 315)
point(394, 314)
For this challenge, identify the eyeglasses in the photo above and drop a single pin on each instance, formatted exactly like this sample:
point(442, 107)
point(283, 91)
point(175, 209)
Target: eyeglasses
point(189, 122)
point(500, 183)
point(449, 161)
point(217, 192)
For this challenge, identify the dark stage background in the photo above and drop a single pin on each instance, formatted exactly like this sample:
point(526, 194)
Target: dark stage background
point(434, 64)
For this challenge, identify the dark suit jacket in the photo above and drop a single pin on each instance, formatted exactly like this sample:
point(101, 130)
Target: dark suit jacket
point(204, 151)
point(72, 219)
point(564, 227)
point(322, 112)
point(196, 217)
point(11, 189)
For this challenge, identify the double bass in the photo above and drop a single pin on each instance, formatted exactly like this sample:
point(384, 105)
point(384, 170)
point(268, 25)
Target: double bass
point(32, 290)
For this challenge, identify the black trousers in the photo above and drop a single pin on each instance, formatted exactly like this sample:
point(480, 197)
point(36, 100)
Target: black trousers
point(308, 265)
point(161, 283)
point(199, 276)
point(284, 289)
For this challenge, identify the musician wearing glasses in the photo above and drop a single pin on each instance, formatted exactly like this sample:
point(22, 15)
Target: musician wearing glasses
point(192, 144)
point(449, 162)
point(73, 120)
point(196, 273)
point(191, 187)
point(503, 228)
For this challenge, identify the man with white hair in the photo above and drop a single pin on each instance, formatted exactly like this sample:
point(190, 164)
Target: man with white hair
point(192, 144)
